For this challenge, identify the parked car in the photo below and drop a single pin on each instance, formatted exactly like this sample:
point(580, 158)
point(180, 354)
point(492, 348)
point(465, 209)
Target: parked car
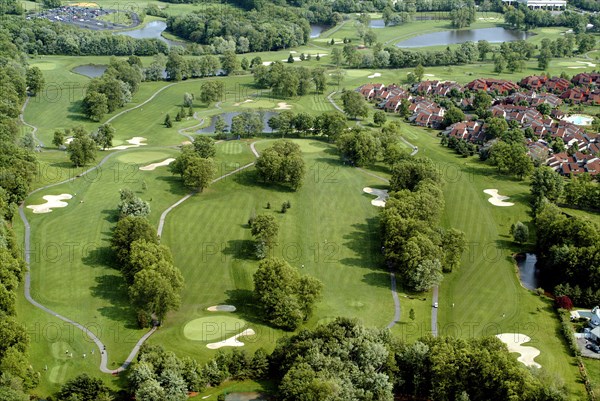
point(593, 347)
point(435, 304)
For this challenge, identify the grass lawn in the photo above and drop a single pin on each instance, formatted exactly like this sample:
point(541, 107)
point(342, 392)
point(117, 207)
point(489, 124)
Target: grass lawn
point(213, 247)
point(487, 296)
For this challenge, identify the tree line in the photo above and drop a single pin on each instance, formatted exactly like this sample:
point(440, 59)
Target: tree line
point(414, 243)
point(567, 246)
point(341, 360)
point(289, 81)
point(41, 36)
point(18, 167)
point(195, 165)
point(269, 28)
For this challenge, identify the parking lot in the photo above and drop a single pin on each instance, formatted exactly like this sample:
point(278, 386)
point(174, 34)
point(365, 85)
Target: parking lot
point(86, 17)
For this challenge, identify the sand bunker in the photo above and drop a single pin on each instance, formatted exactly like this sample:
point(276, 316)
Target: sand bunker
point(375, 75)
point(496, 199)
point(52, 201)
point(527, 354)
point(231, 341)
point(283, 106)
point(428, 75)
point(245, 101)
point(69, 140)
point(268, 63)
point(382, 196)
point(134, 142)
point(221, 308)
point(151, 167)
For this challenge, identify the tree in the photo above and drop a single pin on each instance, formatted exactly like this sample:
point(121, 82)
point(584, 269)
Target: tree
point(482, 101)
point(156, 289)
point(359, 146)
point(379, 117)
point(220, 125)
point(176, 67)
point(546, 183)
point(95, 105)
point(59, 138)
point(411, 314)
point(128, 230)
point(83, 388)
point(354, 104)
point(483, 47)
point(199, 173)
point(131, 205)
point(453, 115)
point(35, 80)
point(168, 122)
point(418, 72)
point(520, 233)
point(499, 63)
point(563, 302)
point(264, 229)
point(544, 108)
point(544, 59)
point(290, 58)
point(408, 173)
point(229, 62)
point(205, 147)
point(82, 148)
point(370, 37)
point(247, 124)
point(495, 127)
point(286, 297)
point(337, 56)
point(188, 99)
point(211, 91)
point(104, 136)
point(282, 163)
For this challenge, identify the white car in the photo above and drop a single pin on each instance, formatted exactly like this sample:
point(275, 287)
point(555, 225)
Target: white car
point(435, 304)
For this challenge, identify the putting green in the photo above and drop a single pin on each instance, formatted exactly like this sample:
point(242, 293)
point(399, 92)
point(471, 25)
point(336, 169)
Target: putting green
point(59, 349)
point(232, 148)
point(213, 328)
point(144, 157)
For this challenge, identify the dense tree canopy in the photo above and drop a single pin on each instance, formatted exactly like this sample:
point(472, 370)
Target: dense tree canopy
point(282, 163)
point(286, 297)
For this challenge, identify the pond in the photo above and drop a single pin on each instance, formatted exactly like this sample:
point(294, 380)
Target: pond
point(228, 117)
point(90, 70)
point(579, 119)
point(492, 35)
point(377, 24)
point(316, 30)
point(151, 30)
point(528, 273)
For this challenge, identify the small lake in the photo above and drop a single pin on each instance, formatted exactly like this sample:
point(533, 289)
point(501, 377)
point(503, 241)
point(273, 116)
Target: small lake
point(377, 24)
point(90, 70)
point(316, 30)
point(151, 30)
point(228, 117)
point(528, 273)
point(492, 35)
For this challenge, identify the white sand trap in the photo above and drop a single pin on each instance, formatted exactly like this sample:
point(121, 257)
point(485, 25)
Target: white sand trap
point(221, 308)
point(52, 201)
point(382, 196)
point(496, 199)
point(245, 101)
point(283, 106)
point(151, 167)
point(574, 68)
point(231, 341)
point(69, 140)
point(375, 75)
point(513, 341)
point(134, 142)
point(428, 75)
point(586, 63)
point(268, 62)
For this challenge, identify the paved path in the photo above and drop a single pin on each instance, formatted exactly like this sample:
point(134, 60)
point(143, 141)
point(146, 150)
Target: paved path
point(396, 302)
point(434, 313)
point(33, 127)
point(141, 104)
point(27, 251)
point(92, 336)
point(333, 102)
point(188, 136)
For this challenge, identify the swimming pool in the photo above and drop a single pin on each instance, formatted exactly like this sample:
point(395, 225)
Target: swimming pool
point(579, 119)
